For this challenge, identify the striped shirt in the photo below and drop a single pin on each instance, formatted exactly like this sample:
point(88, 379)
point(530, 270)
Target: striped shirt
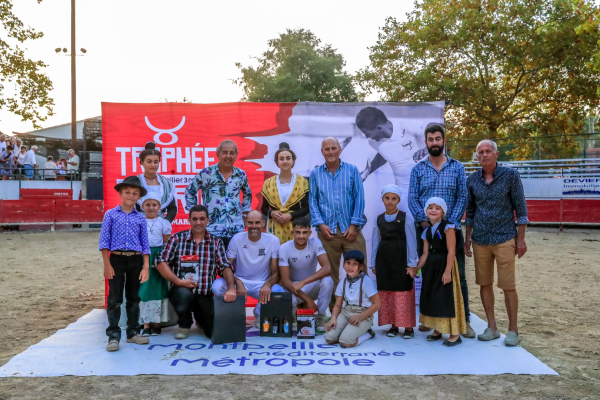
point(449, 183)
point(337, 199)
point(209, 256)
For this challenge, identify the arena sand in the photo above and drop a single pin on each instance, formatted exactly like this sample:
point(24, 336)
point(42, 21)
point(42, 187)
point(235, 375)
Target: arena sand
point(49, 280)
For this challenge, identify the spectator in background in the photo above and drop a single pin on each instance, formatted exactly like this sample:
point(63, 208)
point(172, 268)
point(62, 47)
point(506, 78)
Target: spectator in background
point(29, 163)
point(61, 169)
point(6, 162)
point(73, 164)
point(18, 146)
point(3, 143)
point(19, 158)
point(50, 169)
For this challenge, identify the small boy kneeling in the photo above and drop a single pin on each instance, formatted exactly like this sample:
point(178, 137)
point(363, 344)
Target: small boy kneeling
point(350, 325)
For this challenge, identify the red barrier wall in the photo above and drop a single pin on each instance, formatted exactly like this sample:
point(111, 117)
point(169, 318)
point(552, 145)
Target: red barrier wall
point(564, 211)
point(49, 211)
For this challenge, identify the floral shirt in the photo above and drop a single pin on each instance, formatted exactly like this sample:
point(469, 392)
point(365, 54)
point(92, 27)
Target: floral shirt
point(221, 198)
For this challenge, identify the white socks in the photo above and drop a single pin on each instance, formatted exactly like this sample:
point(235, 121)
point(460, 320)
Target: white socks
point(364, 337)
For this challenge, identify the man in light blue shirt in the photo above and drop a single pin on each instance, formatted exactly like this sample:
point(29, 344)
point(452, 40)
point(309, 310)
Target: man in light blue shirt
point(337, 203)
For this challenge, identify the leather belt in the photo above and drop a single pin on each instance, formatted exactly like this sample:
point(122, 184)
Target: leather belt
point(126, 253)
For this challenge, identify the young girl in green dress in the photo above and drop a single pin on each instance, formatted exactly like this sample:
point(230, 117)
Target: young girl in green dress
point(153, 293)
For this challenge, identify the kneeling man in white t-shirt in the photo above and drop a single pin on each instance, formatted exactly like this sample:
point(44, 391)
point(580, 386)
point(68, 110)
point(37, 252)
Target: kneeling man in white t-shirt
point(298, 260)
point(256, 254)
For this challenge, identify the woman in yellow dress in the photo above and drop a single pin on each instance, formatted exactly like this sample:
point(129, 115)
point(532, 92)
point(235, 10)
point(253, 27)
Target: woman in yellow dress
point(285, 196)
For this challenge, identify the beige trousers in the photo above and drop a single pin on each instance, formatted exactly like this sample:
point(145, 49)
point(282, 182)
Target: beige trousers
point(345, 332)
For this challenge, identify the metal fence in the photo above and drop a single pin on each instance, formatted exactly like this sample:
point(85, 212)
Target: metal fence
point(45, 174)
point(569, 168)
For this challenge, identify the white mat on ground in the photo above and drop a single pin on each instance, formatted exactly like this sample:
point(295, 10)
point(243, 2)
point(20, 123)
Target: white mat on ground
point(80, 350)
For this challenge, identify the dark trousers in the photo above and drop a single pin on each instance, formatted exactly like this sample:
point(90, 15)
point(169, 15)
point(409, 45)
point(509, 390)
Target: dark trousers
point(127, 276)
point(185, 302)
point(225, 241)
point(460, 259)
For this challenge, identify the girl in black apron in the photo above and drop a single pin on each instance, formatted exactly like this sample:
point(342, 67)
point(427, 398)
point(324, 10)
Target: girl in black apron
point(441, 303)
point(394, 250)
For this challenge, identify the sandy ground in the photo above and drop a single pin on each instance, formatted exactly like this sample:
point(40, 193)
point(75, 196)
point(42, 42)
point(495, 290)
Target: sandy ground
point(49, 280)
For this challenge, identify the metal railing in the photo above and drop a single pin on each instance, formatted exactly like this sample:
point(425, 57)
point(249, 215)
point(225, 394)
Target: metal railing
point(45, 174)
point(569, 168)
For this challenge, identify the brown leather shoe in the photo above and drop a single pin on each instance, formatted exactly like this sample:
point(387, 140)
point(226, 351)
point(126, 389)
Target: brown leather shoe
point(423, 328)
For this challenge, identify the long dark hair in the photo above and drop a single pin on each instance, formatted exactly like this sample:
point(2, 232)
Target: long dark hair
point(283, 146)
point(149, 150)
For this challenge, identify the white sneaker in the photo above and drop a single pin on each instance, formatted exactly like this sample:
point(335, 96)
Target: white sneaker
point(256, 324)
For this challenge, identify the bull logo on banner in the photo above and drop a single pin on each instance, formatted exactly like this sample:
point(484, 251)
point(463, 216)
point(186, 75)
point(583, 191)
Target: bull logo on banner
point(170, 132)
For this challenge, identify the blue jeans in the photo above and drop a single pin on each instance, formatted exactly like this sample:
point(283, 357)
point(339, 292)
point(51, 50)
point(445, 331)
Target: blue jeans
point(28, 171)
point(460, 260)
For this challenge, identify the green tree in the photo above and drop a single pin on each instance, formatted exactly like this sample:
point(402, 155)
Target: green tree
point(30, 98)
point(513, 70)
point(591, 25)
point(297, 67)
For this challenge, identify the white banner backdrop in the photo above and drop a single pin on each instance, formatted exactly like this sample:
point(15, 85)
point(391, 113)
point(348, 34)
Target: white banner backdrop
point(80, 350)
point(397, 154)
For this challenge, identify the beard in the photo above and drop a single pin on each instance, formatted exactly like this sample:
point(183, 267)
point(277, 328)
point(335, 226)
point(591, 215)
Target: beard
point(435, 151)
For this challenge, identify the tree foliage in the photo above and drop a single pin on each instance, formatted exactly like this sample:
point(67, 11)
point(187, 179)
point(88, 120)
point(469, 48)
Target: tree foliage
point(297, 67)
point(591, 25)
point(24, 88)
point(513, 70)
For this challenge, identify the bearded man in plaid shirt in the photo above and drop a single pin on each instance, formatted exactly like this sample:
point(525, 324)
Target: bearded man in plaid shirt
point(441, 176)
point(190, 260)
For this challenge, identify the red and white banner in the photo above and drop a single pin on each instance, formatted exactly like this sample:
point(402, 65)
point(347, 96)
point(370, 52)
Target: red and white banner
point(187, 136)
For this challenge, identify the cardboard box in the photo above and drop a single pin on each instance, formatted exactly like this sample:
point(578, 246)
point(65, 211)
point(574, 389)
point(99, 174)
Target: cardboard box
point(306, 324)
point(278, 310)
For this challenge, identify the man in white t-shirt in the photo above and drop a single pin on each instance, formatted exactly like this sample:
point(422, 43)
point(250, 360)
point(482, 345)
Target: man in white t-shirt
point(401, 148)
point(256, 254)
point(298, 261)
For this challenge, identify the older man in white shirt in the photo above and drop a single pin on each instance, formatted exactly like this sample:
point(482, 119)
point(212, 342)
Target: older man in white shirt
point(30, 163)
point(72, 165)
